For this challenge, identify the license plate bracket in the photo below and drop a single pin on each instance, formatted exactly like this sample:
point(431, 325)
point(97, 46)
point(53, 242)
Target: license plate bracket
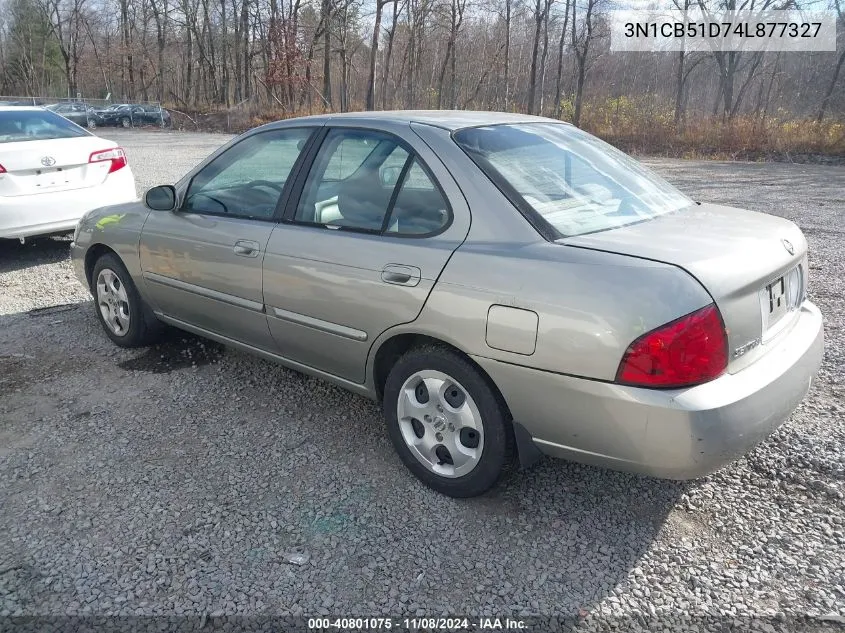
point(776, 296)
point(51, 178)
point(779, 298)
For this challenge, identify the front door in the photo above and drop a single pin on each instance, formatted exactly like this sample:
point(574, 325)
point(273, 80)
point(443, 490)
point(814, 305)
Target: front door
point(202, 263)
point(360, 250)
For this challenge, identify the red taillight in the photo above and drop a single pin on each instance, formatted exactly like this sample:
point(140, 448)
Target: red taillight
point(2, 169)
point(688, 351)
point(116, 155)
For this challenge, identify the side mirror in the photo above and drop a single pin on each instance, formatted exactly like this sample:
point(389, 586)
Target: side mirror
point(161, 198)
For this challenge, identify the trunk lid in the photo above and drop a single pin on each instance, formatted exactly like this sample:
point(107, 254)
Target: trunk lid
point(51, 165)
point(742, 258)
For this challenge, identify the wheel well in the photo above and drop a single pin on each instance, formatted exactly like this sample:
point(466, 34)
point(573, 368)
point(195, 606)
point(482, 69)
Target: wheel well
point(92, 255)
point(394, 347)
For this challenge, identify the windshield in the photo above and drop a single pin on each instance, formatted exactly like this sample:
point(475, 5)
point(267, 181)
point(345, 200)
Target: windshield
point(574, 181)
point(36, 125)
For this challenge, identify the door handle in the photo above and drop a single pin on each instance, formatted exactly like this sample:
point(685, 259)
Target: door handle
point(401, 275)
point(246, 248)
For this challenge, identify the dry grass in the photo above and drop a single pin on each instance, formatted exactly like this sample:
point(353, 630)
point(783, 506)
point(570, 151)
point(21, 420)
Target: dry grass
point(640, 127)
point(645, 129)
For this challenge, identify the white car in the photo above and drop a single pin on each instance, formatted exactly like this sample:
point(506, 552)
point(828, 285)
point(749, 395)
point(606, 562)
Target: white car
point(52, 172)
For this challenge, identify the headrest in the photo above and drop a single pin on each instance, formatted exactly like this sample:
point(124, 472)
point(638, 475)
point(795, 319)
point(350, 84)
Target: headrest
point(362, 201)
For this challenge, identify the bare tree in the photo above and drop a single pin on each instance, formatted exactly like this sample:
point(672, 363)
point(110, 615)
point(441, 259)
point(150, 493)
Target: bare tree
point(307, 55)
point(581, 42)
point(540, 15)
point(837, 69)
point(371, 77)
point(560, 60)
point(456, 18)
point(67, 22)
point(388, 54)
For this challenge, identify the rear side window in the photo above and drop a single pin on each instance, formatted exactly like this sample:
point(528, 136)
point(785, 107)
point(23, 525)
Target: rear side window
point(36, 125)
point(420, 208)
point(370, 181)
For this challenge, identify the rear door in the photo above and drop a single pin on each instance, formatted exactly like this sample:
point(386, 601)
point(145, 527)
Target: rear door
point(202, 263)
point(371, 228)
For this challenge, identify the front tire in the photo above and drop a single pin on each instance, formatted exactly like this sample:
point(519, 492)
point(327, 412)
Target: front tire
point(125, 317)
point(447, 423)
point(125, 122)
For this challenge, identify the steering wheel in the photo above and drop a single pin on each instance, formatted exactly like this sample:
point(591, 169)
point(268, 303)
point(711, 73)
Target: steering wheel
point(265, 183)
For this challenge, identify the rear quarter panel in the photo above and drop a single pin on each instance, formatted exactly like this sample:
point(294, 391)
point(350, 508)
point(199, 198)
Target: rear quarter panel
point(590, 306)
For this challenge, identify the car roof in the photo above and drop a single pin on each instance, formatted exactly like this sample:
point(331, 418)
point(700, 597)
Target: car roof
point(446, 119)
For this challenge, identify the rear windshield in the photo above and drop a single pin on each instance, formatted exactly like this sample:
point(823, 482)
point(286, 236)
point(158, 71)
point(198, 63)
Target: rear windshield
point(36, 125)
point(572, 181)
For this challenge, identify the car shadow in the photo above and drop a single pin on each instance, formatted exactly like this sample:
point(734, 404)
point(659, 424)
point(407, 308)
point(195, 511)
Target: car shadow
point(210, 436)
point(35, 251)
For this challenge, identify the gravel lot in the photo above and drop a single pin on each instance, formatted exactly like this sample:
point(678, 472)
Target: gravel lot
point(179, 480)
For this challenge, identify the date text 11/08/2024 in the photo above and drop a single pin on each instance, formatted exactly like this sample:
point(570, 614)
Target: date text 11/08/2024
point(415, 624)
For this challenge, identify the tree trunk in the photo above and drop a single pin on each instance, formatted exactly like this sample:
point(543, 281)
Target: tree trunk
point(507, 51)
point(388, 54)
point(127, 47)
point(245, 52)
point(679, 89)
point(579, 88)
point(371, 76)
point(189, 64)
point(224, 53)
point(830, 87)
point(71, 88)
point(560, 46)
point(543, 57)
point(532, 81)
point(327, 57)
point(581, 56)
point(409, 78)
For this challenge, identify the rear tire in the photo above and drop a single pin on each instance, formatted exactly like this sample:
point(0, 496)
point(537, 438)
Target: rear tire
point(126, 319)
point(125, 122)
point(447, 423)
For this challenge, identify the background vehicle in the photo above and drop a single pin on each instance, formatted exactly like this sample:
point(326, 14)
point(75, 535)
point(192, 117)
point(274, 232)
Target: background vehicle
point(501, 283)
point(132, 115)
point(52, 171)
point(80, 113)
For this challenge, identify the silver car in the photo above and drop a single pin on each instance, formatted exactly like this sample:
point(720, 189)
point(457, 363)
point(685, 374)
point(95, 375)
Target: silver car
point(505, 285)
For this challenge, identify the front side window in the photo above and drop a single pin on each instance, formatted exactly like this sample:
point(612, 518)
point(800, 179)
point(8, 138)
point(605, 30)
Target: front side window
point(574, 181)
point(369, 181)
point(36, 125)
point(247, 179)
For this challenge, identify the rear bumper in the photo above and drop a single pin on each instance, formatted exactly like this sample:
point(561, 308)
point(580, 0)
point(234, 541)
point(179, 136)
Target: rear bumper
point(45, 213)
point(674, 434)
